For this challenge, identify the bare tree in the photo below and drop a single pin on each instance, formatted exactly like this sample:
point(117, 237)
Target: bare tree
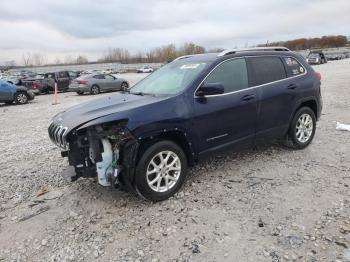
point(82, 60)
point(38, 59)
point(27, 59)
point(57, 61)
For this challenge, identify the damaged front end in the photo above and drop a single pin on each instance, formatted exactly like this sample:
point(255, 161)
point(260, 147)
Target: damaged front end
point(107, 151)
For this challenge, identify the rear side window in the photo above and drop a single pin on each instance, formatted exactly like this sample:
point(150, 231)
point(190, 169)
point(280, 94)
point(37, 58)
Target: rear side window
point(63, 74)
point(99, 76)
point(232, 74)
point(266, 69)
point(293, 67)
point(109, 77)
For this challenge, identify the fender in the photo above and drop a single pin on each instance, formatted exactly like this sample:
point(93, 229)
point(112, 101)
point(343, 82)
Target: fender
point(177, 134)
point(303, 100)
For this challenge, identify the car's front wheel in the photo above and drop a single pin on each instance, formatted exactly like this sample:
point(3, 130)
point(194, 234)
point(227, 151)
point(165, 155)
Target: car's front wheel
point(302, 129)
point(21, 98)
point(161, 171)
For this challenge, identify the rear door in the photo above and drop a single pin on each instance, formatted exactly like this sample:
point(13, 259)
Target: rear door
point(276, 94)
point(63, 80)
point(100, 81)
point(225, 119)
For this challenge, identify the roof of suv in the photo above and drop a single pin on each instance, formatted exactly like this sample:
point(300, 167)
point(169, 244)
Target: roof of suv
point(232, 52)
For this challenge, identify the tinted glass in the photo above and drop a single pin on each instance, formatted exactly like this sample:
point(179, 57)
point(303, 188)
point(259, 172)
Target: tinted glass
point(63, 74)
point(267, 69)
point(99, 77)
point(294, 68)
point(232, 74)
point(109, 77)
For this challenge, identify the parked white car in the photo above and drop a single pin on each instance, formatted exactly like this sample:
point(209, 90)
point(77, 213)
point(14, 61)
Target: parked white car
point(145, 69)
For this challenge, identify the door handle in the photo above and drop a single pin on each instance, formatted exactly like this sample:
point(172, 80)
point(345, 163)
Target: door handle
point(292, 86)
point(247, 98)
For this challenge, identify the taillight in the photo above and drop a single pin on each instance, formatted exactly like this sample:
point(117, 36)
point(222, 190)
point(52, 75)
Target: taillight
point(80, 82)
point(318, 75)
point(34, 85)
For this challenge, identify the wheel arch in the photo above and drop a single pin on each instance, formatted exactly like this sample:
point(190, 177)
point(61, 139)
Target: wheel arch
point(307, 102)
point(176, 135)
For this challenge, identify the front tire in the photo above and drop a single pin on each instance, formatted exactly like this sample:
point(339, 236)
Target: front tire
point(161, 171)
point(302, 129)
point(21, 98)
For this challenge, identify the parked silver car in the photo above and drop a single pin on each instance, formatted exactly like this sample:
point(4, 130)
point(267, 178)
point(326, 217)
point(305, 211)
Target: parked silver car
point(96, 83)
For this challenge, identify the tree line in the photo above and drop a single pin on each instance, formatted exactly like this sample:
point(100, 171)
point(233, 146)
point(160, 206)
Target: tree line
point(311, 43)
point(161, 54)
point(167, 53)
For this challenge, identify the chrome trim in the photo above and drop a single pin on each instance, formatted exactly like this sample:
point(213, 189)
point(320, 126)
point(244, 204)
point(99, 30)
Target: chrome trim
point(267, 48)
point(57, 134)
point(252, 87)
point(216, 137)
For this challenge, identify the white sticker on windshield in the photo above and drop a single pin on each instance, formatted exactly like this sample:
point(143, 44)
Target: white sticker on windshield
point(190, 66)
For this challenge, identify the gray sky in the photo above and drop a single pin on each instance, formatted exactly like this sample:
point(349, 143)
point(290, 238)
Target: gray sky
point(88, 27)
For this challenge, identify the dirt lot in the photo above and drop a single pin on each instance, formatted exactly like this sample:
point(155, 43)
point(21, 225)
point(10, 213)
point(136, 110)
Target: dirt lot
point(263, 204)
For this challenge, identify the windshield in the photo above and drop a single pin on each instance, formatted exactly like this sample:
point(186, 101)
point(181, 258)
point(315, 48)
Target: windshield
point(314, 55)
point(171, 79)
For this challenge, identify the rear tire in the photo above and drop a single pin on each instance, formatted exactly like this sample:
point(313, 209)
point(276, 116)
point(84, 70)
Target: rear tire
point(95, 90)
point(21, 98)
point(302, 129)
point(161, 171)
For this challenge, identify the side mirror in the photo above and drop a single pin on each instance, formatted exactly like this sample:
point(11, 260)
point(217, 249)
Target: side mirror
point(210, 89)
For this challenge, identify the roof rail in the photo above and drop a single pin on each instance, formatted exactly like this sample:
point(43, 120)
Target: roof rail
point(267, 48)
point(182, 57)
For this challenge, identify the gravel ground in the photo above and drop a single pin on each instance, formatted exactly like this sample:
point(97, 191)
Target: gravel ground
point(263, 204)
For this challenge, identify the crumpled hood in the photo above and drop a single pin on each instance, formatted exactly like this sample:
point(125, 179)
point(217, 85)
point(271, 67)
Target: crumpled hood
point(113, 104)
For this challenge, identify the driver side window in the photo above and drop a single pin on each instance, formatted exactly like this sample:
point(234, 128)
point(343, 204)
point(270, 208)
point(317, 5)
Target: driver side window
point(231, 74)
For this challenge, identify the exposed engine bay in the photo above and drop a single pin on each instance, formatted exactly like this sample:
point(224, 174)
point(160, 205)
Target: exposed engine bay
point(107, 151)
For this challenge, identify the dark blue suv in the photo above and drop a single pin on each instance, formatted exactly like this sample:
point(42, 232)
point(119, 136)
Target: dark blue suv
point(144, 139)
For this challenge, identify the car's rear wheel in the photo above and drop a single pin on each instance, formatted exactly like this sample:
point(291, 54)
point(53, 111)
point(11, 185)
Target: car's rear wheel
point(302, 129)
point(21, 98)
point(124, 86)
point(95, 90)
point(161, 171)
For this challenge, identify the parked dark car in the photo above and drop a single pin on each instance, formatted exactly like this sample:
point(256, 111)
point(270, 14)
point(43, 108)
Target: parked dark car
point(10, 93)
point(316, 57)
point(36, 83)
point(47, 83)
point(146, 138)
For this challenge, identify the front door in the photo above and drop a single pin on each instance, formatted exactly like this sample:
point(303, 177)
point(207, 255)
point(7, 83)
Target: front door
point(227, 118)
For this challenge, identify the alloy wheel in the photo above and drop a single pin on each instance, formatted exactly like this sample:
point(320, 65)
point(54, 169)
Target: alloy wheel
point(304, 128)
point(163, 171)
point(22, 98)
